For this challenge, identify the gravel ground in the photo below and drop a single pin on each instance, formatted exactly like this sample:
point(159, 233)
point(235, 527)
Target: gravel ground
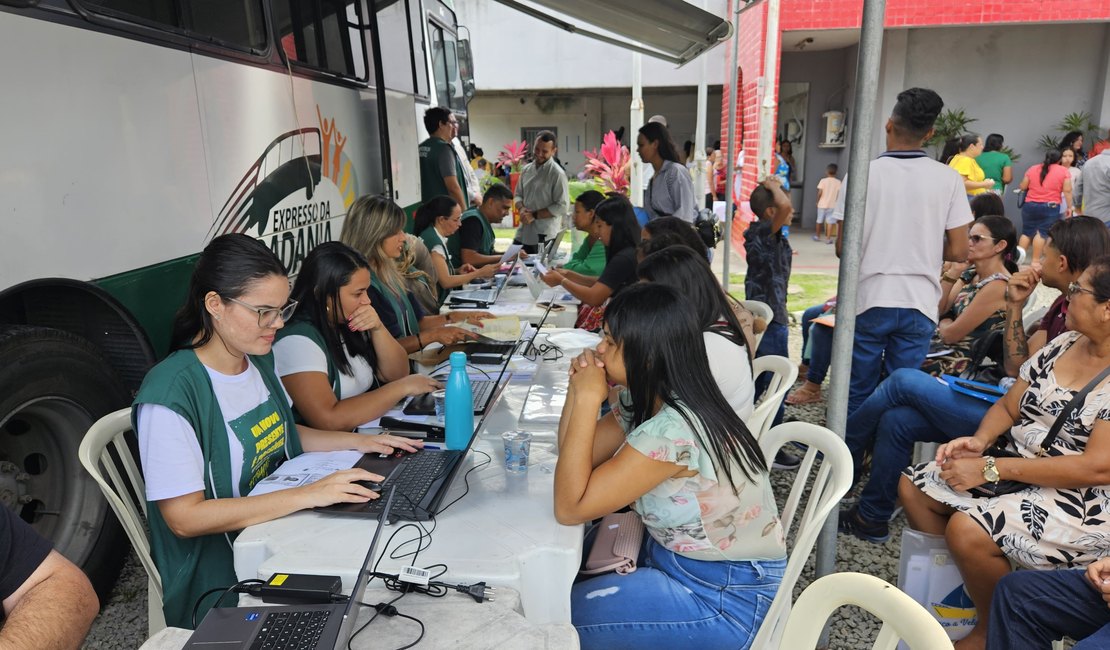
point(122, 622)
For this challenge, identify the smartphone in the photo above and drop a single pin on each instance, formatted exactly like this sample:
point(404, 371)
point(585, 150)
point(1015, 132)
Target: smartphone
point(986, 390)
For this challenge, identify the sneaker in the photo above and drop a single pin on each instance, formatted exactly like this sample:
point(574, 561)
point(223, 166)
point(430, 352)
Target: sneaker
point(851, 523)
point(785, 460)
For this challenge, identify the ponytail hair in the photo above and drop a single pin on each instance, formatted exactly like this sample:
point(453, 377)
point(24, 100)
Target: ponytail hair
point(433, 208)
point(1051, 157)
point(1002, 230)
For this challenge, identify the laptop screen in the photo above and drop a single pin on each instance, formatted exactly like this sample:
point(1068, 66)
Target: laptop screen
point(358, 592)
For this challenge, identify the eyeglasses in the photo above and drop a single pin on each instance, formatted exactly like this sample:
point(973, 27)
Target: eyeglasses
point(1075, 287)
point(975, 239)
point(267, 316)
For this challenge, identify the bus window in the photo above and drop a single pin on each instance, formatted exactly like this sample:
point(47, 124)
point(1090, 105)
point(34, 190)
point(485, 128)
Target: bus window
point(419, 54)
point(445, 68)
point(322, 34)
point(237, 24)
point(466, 67)
point(397, 57)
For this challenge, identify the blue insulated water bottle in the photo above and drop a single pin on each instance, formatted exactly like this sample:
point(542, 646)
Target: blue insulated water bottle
point(459, 404)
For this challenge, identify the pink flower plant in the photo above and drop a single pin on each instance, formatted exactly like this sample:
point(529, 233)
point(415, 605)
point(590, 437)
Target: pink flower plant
point(512, 156)
point(609, 165)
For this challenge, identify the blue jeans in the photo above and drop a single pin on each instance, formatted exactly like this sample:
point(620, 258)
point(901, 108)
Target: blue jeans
point(1031, 609)
point(1037, 218)
point(774, 342)
point(887, 338)
point(674, 602)
point(817, 355)
point(909, 406)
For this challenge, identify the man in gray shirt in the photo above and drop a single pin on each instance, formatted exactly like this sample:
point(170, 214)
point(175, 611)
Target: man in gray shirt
point(541, 195)
point(1094, 187)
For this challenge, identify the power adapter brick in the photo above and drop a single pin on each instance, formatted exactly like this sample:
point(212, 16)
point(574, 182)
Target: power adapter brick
point(299, 589)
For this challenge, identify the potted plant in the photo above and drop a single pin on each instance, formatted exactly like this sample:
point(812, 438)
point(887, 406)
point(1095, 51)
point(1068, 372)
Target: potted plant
point(608, 166)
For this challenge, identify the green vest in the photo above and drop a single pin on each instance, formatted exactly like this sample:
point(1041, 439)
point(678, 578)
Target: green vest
point(191, 566)
point(488, 239)
point(302, 327)
point(431, 240)
point(431, 178)
point(403, 312)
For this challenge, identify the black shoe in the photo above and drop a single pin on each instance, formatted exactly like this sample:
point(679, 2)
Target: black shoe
point(785, 460)
point(852, 523)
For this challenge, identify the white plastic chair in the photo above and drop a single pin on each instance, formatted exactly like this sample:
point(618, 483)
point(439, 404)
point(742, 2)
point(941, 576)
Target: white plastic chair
point(1019, 259)
point(903, 618)
point(830, 484)
point(761, 310)
point(783, 375)
point(104, 452)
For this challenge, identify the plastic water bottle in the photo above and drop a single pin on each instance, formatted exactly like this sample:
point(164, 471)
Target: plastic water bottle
point(459, 404)
point(541, 239)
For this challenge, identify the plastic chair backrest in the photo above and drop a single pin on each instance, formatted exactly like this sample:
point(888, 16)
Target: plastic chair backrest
point(903, 618)
point(106, 455)
point(829, 485)
point(761, 310)
point(783, 375)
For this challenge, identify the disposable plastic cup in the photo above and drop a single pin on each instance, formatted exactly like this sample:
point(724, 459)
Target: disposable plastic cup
point(440, 398)
point(518, 444)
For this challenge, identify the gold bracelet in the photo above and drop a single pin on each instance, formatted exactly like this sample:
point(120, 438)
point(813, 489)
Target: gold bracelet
point(947, 278)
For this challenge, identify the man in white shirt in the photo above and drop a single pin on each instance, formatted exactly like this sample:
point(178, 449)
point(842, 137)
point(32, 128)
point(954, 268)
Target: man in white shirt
point(917, 217)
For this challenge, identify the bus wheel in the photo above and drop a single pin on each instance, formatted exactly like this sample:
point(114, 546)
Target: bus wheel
point(55, 386)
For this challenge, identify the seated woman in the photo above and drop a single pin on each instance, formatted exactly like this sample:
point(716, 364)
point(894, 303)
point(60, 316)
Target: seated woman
point(213, 420)
point(676, 450)
point(1058, 520)
point(726, 343)
point(589, 259)
point(616, 227)
point(339, 364)
point(816, 354)
point(974, 301)
point(682, 229)
point(375, 226)
point(435, 222)
point(419, 272)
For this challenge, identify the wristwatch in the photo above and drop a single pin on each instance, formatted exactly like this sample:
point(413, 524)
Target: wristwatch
point(990, 471)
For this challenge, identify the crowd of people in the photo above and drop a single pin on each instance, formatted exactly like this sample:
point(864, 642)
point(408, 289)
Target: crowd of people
point(656, 416)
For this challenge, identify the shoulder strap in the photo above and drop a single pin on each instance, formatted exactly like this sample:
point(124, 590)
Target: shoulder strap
point(1075, 403)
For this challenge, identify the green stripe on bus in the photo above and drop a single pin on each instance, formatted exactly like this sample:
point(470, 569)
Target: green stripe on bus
point(153, 294)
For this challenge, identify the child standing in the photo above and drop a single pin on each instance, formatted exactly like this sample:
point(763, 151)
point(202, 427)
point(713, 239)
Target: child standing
point(827, 191)
point(769, 260)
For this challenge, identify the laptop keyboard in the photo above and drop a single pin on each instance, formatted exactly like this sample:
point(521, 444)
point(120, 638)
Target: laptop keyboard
point(292, 630)
point(412, 482)
point(424, 404)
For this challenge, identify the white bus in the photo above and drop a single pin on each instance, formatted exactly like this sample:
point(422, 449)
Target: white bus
point(137, 130)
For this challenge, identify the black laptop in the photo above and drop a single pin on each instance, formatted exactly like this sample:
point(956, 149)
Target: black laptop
point(482, 390)
point(296, 627)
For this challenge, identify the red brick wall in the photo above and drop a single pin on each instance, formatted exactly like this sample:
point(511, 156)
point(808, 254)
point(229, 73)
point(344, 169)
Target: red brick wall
point(845, 14)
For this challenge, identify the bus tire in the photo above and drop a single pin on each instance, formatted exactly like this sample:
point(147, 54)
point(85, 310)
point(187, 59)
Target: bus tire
point(56, 385)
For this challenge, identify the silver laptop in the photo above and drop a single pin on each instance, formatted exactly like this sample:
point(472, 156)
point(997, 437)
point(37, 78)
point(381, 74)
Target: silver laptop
point(482, 297)
point(296, 627)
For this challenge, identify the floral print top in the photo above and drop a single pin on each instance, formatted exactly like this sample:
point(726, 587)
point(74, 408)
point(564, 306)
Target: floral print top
point(696, 516)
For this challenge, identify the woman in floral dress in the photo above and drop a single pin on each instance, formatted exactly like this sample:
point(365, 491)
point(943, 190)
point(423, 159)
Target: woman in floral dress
point(1063, 518)
point(674, 449)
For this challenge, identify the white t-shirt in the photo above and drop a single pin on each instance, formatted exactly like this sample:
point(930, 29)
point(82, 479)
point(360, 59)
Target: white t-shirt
point(729, 365)
point(173, 464)
point(293, 354)
point(441, 248)
point(911, 200)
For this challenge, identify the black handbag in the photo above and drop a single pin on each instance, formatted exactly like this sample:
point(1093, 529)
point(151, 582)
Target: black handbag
point(1002, 449)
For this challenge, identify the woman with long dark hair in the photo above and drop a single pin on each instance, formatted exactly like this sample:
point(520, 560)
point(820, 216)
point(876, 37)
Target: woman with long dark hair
point(616, 227)
point(589, 259)
point(435, 222)
point(682, 229)
point(670, 192)
point(213, 420)
point(726, 342)
point(375, 226)
point(676, 450)
point(1046, 186)
point(1074, 140)
point(338, 362)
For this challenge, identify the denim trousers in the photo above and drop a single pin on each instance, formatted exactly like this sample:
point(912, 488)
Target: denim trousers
point(774, 342)
point(1031, 609)
point(1038, 218)
point(671, 601)
point(887, 338)
point(908, 406)
point(816, 345)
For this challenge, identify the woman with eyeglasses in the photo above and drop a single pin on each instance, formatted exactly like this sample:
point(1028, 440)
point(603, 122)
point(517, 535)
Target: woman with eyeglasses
point(339, 363)
point(375, 227)
point(973, 300)
point(1060, 519)
point(436, 222)
point(213, 420)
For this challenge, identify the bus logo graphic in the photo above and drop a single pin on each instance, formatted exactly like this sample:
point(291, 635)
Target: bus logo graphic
point(295, 195)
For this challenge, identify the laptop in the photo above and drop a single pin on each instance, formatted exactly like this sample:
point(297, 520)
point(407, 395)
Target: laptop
point(421, 481)
point(482, 297)
point(483, 390)
point(551, 246)
point(297, 627)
